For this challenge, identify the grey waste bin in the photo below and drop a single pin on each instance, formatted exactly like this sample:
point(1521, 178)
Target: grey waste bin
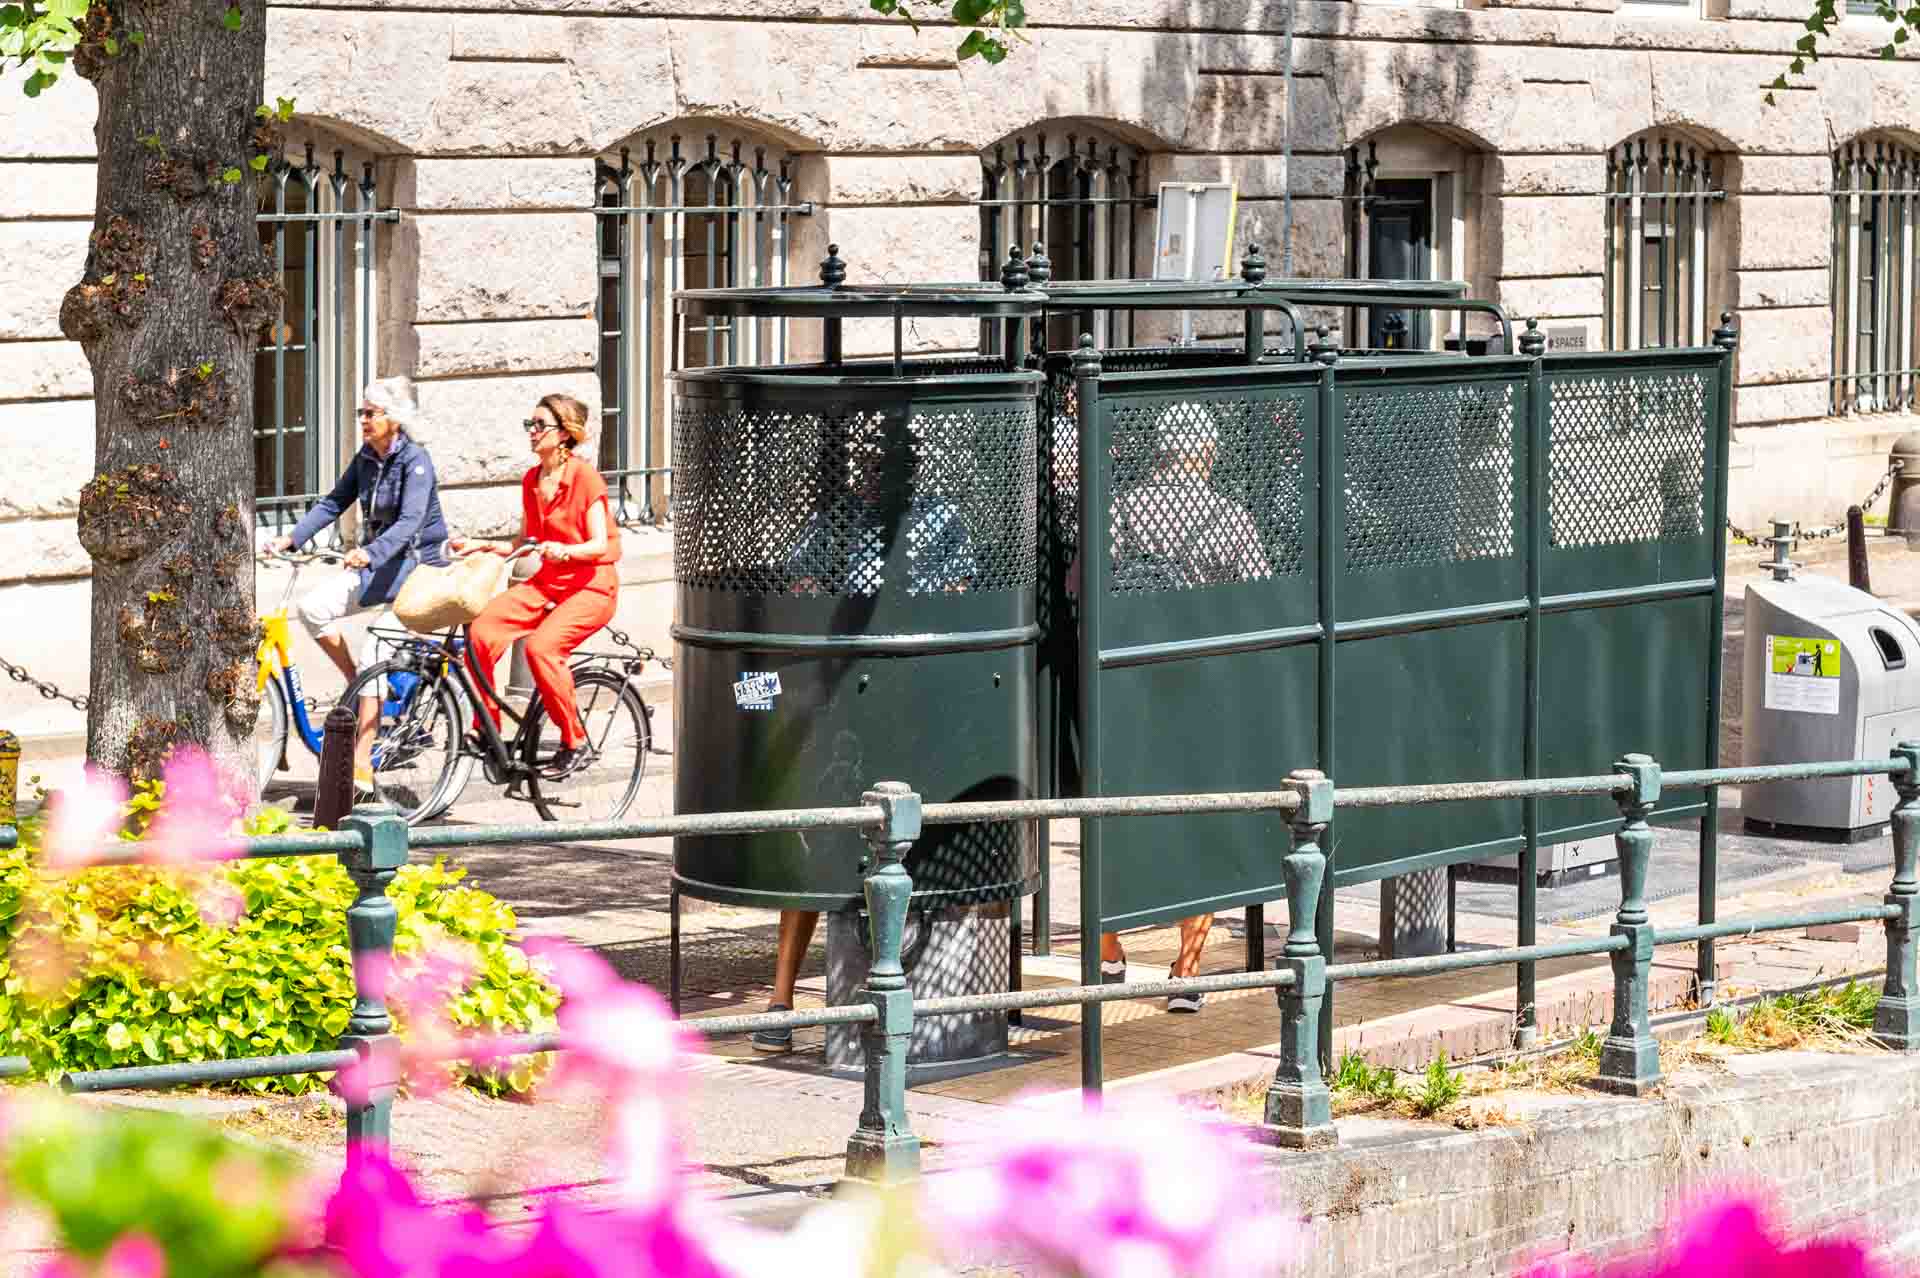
point(1829, 672)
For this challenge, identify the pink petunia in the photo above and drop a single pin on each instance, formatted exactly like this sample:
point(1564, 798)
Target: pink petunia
point(134, 1256)
point(1150, 1192)
point(195, 821)
point(84, 820)
point(1728, 1233)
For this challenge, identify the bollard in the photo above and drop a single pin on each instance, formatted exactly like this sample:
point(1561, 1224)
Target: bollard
point(9, 789)
point(333, 792)
point(1859, 572)
point(883, 1147)
point(1630, 1058)
point(1299, 1108)
point(371, 921)
point(1896, 1018)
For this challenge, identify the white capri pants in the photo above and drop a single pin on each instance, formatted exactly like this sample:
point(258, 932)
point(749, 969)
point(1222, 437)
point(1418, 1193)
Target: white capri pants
point(323, 608)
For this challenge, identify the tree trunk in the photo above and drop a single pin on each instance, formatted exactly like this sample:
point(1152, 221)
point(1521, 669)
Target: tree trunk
point(169, 311)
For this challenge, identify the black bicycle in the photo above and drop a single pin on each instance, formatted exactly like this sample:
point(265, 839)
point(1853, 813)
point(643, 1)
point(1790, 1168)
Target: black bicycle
point(426, 754)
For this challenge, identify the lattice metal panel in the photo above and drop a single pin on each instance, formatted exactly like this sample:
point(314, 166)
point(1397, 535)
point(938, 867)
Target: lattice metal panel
point(1429, 475)
point(779, 502)
point(1205, 493)
point(971, 486)
point(1627, 459)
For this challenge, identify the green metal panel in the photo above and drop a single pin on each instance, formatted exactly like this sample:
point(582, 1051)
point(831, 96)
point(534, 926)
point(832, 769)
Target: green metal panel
point(869, 543)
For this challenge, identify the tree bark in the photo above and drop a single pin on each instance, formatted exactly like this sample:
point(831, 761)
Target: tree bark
point(168, 311)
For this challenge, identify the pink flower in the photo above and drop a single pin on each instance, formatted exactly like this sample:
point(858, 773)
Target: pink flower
point(195, 821)
point(1728, 1234)
point(1145, 1192)
point(85, 820)
point(133, 1256)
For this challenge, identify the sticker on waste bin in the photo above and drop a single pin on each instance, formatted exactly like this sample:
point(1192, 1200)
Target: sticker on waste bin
point(1803, 675)
point(756, 691)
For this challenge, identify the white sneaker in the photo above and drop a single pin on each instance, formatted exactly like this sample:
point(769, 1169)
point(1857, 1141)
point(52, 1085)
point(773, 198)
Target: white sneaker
point(1113, 971)
point(1188, 1003)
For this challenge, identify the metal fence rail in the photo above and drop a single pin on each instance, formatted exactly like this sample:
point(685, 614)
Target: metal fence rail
point(374, 842)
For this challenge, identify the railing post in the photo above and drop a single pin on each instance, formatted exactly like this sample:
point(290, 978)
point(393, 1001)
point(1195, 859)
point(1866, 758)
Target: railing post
point(371, 921)
point(1299, 1109)
point(1896, 1019)
point(883, 1147)
point(1630, 1058)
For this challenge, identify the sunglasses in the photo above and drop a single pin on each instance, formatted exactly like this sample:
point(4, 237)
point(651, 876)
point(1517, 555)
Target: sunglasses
point(365, 414)
point(535, 427)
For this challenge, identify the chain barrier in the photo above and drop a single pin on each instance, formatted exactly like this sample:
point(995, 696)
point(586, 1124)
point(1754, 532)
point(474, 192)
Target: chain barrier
point(1830, 530)
point(41, 686)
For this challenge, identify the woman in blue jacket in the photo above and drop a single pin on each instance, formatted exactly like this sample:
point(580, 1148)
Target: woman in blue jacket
point(391, 480)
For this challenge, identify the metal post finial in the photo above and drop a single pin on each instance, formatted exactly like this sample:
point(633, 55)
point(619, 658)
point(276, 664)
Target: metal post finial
point(1039, 267)
point(1253, 267)
point(1726, 337)
point(1086, 358)
point(833, 271)
point(1013, 276)
point(1533, 342)
point(1322, 351)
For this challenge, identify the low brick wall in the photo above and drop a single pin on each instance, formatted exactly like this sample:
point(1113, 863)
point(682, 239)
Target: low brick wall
point(1836, 1138)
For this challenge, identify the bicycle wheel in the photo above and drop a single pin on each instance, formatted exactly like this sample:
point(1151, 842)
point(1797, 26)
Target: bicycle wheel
point(268, 744)
point(619, 732)
point(417, 746)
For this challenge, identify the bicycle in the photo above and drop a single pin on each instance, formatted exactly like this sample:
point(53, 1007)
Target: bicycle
point(439, 682)
point(288, 709)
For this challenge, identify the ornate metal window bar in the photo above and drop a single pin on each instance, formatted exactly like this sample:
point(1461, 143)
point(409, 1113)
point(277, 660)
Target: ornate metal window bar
point(1660, 201)
point(1872, 277)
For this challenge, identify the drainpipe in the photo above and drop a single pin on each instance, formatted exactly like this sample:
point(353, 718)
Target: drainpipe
point(1286, 148)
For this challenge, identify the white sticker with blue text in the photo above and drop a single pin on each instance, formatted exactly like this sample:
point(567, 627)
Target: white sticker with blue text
point(756, 691)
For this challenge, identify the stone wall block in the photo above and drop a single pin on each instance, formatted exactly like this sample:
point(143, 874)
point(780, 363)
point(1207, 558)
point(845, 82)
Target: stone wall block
point(1760, 404)
point(510, 37)
point(625, 74)
point(1234, 111)
point(503, 108)
point(1550, 298)
point(1782, 175)
point(1545, 174)
point(380, 79)
point(1790, 344)
point(43, 480)
point(1782, 232)
point(476, 434)
point(520, 346)
point(41, 550)
point(44, 370)
point(1543, 235)
point(1726, 96)
point(40, 261)
point(910, 179)
point(56, 125)
point(449, 185)
point(1760, 289)
point(504, 266)
point(28, 189)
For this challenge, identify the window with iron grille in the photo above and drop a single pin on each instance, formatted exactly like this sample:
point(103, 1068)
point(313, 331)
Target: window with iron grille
point(320, 225)
point(1661, 208)
point(1082, 195)
point(676, 213)
point(1872, 276)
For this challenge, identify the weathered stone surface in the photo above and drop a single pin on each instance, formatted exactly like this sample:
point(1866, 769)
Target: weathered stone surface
point(1554, 298)
point(41, 550)
point(1783, 288)
point(1319, 240)
point(1790, 344)
point(510, 38)
point(1254, 176)
point(1588, 6)
point(519, 346)
point(1780, 175)
point(1545, 174)
point(477, 436)
point(44, 370)
point(1543, 235)
point(501, 266)
point(40, 261)
point(1233, 111)
point(1476, 92)
point(56, 125)
point(44, 480)
point(1784, 402)
point(1724, 97)
point(896, 246)
point(504, 108)
point(901, 48)
point(445, 185)
point(491, 511)
point(1767, 10)
point(28, 189)
point(903, 179)
point(1782, 232)
point(378, 80)
point(626, 76)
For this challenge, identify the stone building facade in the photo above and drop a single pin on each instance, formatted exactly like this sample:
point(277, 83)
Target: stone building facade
point(1609, 166)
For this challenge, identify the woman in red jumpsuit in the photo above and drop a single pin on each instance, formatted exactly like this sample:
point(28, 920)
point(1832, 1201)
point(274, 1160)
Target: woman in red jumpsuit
point(564, 511)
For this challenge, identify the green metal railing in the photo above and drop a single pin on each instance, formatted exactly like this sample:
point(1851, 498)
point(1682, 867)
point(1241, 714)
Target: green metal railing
point(374, 842)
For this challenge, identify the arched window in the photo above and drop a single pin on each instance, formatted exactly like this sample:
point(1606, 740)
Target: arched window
point(1412, 198)
point(1661, 208)
point(1080, 193)
point(1873, 275)
point(680, 209)
point(323, 228)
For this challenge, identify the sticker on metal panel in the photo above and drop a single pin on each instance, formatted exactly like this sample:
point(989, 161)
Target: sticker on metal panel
point(1803, 675)
point(756, 690)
